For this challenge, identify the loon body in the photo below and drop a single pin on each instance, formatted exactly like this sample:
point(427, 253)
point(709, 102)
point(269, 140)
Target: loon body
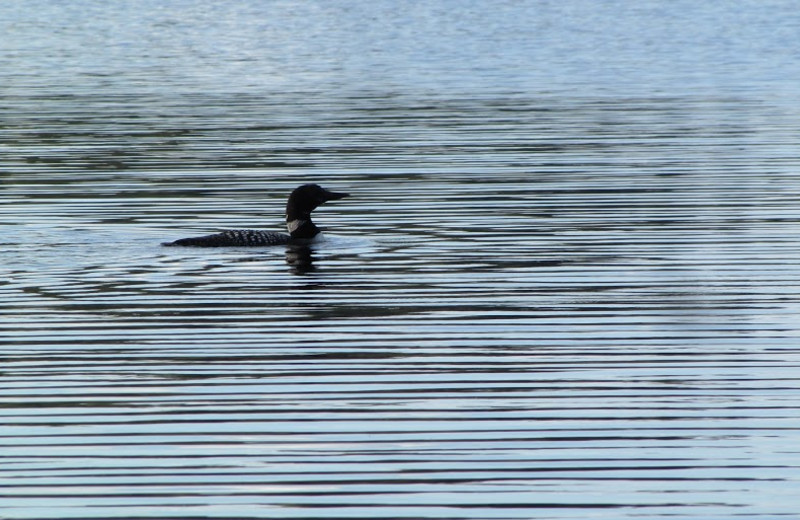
point(302, 202)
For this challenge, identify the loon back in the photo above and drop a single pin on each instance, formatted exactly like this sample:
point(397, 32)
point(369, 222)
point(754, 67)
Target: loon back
point(303, 200)
point(234, 237)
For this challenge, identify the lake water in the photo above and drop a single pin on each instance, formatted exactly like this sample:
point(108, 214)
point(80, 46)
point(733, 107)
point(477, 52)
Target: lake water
point(565, 284)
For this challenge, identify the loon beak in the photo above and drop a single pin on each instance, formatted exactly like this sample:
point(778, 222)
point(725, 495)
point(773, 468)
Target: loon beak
point(332, 195)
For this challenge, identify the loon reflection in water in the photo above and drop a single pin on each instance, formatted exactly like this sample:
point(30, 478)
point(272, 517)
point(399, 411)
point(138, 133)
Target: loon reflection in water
point(303, 200)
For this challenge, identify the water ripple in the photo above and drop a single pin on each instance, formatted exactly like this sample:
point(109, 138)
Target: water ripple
point(570, 296)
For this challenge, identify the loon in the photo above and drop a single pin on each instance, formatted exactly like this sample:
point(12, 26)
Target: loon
point(303, 200)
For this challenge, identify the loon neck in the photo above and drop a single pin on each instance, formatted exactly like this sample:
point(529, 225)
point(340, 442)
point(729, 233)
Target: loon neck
point(301, 226)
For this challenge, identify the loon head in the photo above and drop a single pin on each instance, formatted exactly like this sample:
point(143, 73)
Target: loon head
point(303, 200)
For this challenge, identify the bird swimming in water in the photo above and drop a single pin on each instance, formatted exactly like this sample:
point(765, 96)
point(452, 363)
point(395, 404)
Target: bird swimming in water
point(303, 200)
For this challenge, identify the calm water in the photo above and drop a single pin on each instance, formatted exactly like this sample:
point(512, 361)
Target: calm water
point(565, 285)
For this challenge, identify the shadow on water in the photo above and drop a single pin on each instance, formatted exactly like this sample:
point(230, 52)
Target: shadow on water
point(300, 259)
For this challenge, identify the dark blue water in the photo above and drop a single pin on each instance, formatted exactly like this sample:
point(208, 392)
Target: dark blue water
point(564, 286)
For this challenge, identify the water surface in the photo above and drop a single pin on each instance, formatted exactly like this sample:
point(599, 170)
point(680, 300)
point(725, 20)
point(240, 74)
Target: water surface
point(564, 286)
